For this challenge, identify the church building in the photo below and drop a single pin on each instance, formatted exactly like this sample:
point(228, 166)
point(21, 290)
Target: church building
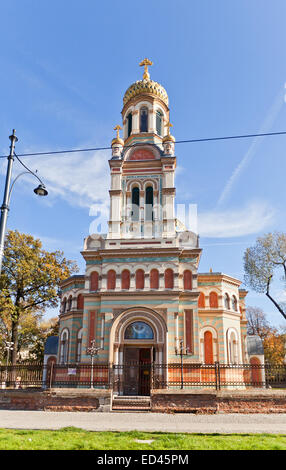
point(142, 298)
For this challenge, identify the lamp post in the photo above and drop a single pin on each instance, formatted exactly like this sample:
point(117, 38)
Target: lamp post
point(182, 365)
point(92, 351)
point(40, 191)
point(9, 346)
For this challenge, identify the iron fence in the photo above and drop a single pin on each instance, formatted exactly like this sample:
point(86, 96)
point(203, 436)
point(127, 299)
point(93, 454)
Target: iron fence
point(136, 378)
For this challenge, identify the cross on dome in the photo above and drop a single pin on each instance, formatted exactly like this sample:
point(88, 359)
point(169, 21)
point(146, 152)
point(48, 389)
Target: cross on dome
point(117, 129)
point(146, 62)
point(168, 125)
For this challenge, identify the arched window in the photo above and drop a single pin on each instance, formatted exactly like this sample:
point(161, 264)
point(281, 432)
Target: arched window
point(135, 204)
point(213, 300)
point(64, 347)
point(94, 281)
point(139, 279)
point(69, 303)
point(201, 301)
point(80, 302)
point(188, 280)
point(125, 279)
point(129, 124)
point(169, 279)
point(78, 345)
point(234, 303)
point(149, 201)
point(154, 279)
point(159, 118)
point(144, 119)
point(111, 279)
point(139, 330)
point(64, 305)
point(226, 302)
point(208, 347)
point(232, 348)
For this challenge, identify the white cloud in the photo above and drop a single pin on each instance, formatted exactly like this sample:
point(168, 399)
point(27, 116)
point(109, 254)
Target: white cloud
point(253, 218)
point(82, 179)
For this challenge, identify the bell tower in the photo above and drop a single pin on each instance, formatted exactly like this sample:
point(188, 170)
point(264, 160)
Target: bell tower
point(142, 193)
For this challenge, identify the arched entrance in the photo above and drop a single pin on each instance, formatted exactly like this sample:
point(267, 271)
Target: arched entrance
point(256, 375)
point(137, 341)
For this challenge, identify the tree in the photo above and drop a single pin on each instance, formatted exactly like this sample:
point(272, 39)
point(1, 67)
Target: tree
point(262, 260)
point(274, 339)
point(29, 281)
point(36, 344)
point(274, 348)
point(257, 323)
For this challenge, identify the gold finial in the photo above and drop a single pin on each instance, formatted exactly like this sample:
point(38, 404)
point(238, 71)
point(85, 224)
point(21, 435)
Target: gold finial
point(146, 63)
point(168, 137)
point(117, 129)
point(211, 270)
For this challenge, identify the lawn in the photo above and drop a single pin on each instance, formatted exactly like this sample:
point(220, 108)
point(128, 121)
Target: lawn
point(78, 439)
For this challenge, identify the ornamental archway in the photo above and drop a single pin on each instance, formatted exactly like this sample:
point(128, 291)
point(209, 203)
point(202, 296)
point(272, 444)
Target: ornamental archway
point(137, 343)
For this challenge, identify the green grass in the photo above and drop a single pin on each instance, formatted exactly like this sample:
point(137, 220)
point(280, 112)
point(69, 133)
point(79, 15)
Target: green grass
point(78, 439)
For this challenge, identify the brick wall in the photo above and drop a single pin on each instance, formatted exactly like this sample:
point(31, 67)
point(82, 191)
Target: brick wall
point(248, 401)
point(55, 400)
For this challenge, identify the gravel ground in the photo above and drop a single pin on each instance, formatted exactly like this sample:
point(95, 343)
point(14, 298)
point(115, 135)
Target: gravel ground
point(181, 422)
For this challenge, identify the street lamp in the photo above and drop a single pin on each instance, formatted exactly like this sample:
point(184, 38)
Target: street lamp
point(92, 351)
point(40, 191)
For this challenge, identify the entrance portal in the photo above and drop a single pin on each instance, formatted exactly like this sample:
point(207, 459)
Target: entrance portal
point(136, 373)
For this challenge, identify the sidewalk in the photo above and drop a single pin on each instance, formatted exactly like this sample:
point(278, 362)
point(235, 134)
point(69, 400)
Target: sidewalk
point(220, 423)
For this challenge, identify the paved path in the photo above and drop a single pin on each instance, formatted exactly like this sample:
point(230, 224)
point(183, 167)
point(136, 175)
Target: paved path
point(220, 423)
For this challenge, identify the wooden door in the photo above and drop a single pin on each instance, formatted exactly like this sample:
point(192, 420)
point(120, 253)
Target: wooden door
point(208, 346)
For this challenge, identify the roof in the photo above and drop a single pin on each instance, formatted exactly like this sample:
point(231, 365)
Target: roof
point(254, 345)
point(51, 345)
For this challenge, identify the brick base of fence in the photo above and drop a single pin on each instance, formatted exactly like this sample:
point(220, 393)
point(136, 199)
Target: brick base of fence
point(210, 402)
point(56, 400)
point(163, 401)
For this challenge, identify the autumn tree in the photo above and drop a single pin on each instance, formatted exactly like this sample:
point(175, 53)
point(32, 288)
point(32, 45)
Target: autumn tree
point(274, 347)
point(274, 339)
point(29, 281)
point(261, 262)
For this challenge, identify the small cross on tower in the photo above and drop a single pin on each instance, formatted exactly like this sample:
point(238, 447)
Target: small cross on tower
point(117, 129)
point(146, 63)
point(169, 125)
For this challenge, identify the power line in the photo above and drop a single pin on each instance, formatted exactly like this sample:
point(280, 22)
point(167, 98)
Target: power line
point(94, 149)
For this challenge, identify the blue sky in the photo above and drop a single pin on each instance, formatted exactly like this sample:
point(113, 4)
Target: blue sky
point(64, 69)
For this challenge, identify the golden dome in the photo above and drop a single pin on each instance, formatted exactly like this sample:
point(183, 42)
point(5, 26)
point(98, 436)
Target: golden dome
point(117, 141)
point(169, 138)
point(146, 86)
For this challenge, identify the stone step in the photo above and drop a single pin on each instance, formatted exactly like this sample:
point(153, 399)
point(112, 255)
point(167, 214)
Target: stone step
point(131, 403)
point(131, 398)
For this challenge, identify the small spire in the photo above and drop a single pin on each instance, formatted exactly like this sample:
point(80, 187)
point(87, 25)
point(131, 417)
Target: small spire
point(211, 270)
point(146, 62)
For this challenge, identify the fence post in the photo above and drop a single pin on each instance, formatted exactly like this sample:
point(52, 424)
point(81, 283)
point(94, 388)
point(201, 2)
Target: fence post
point(110, 376)
point(217, 376)
point(51, 373)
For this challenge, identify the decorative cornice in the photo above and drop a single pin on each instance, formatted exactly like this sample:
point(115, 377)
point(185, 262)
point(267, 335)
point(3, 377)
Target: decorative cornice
point(115, 192)
point(170, 191)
